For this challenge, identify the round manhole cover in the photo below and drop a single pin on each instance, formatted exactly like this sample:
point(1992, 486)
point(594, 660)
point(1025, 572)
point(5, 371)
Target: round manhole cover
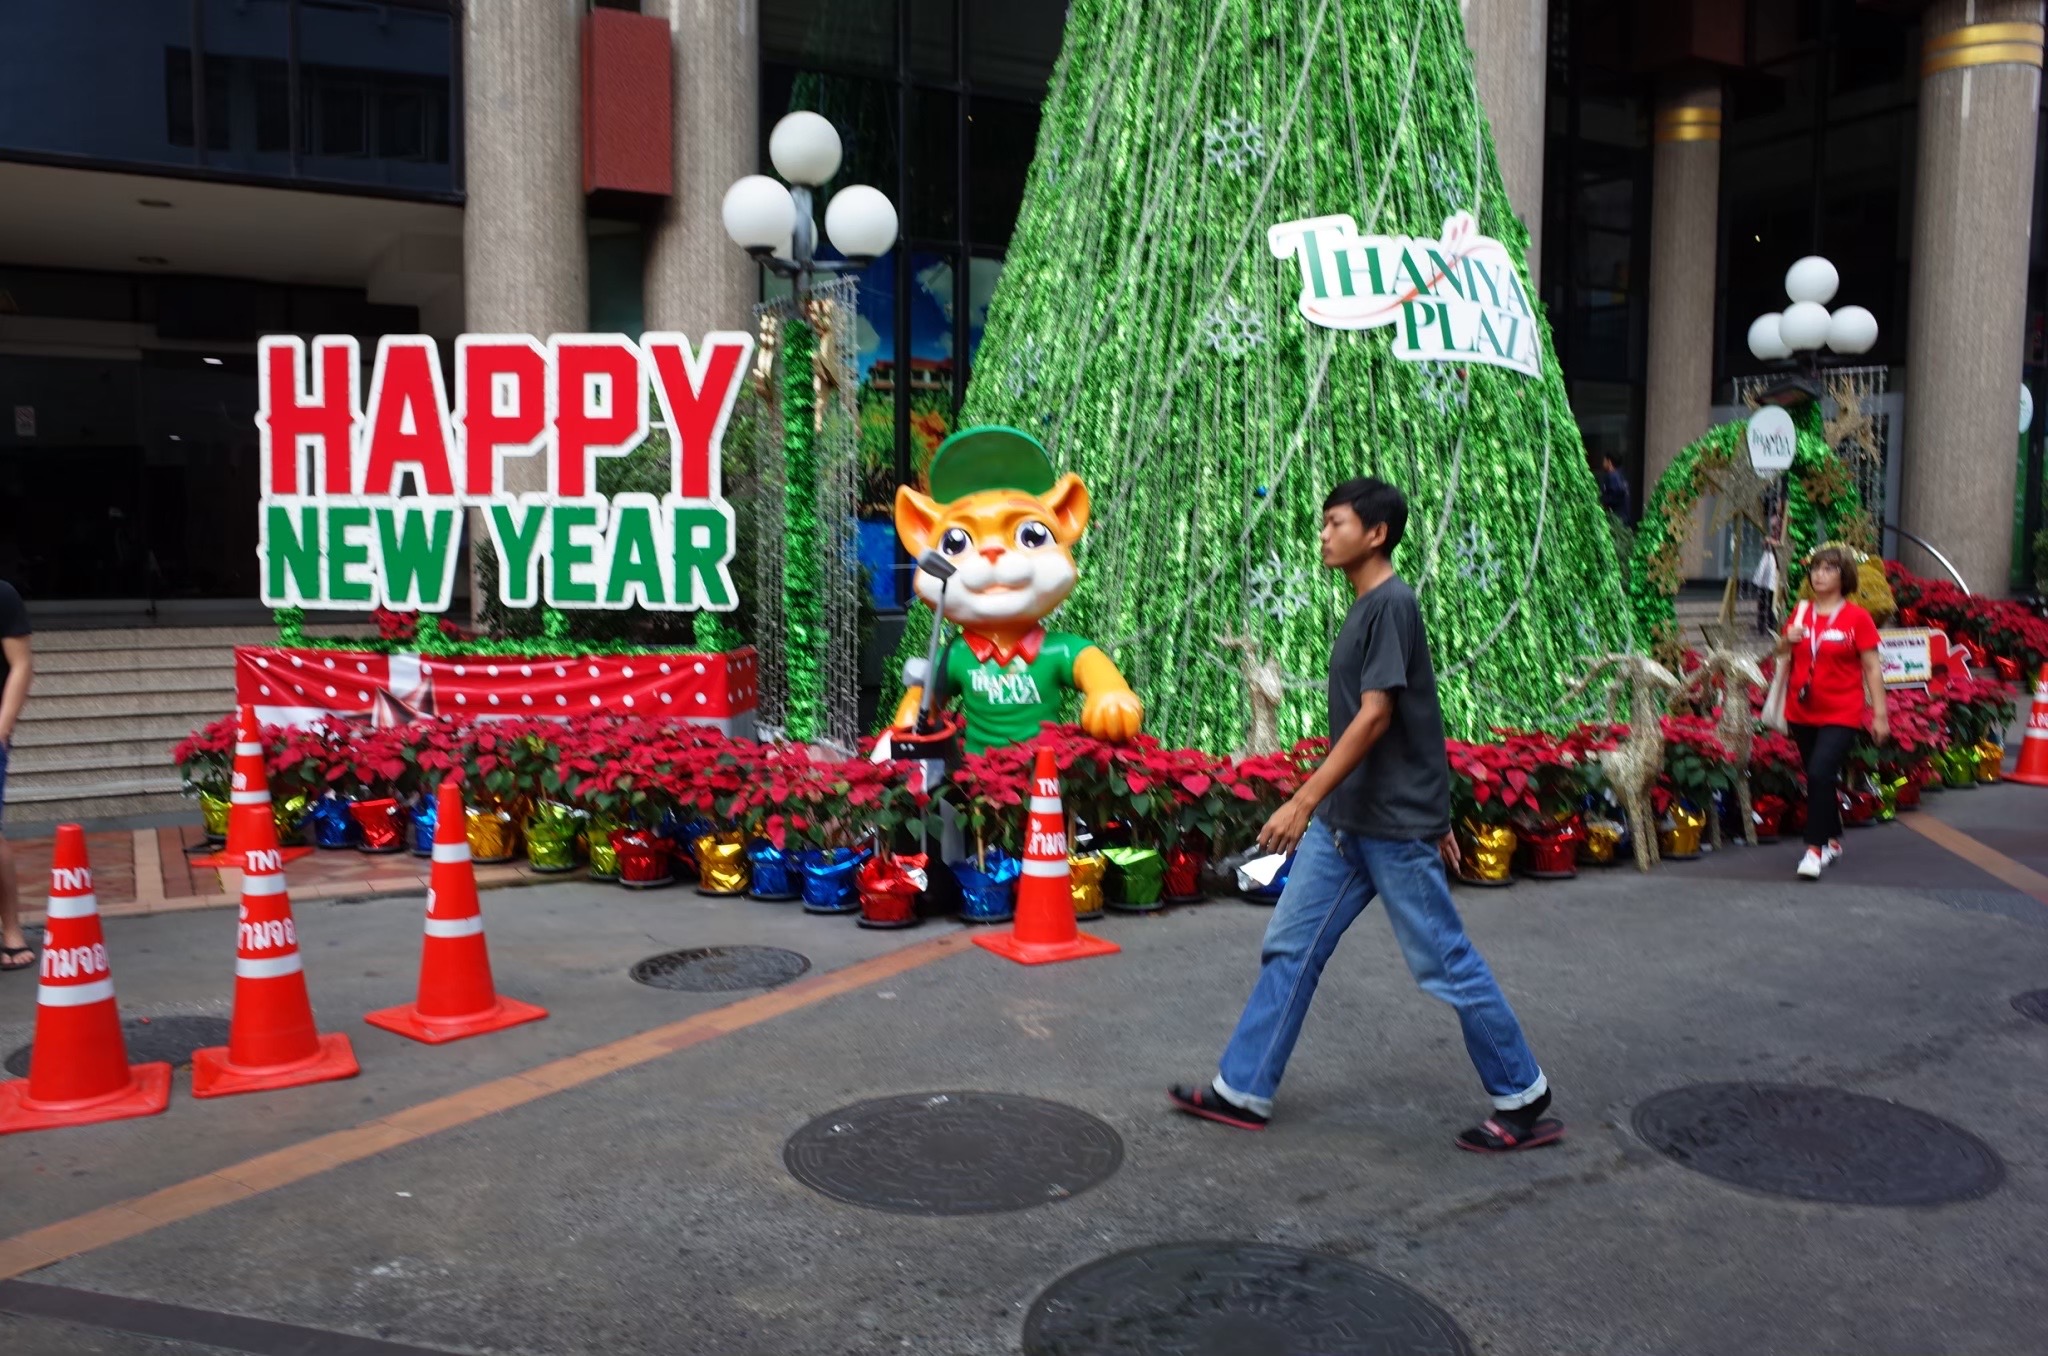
point(953, 1153)
point(1206, 1299)
point(720, 969)
point(2033, 1004)
point(152, 1039)
point(1818, 1144)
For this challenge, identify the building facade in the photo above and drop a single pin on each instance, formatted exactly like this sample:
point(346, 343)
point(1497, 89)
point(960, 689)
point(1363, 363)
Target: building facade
point(182, 176)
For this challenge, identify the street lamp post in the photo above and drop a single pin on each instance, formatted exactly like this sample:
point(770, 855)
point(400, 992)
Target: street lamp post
point(1807, 325)
point(772, 221)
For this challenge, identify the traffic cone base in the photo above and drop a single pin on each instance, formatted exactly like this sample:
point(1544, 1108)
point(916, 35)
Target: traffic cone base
point(407, 1020)
point(225, 860)
point(1081, 947)
point(146, 1095)
point(214, 1076)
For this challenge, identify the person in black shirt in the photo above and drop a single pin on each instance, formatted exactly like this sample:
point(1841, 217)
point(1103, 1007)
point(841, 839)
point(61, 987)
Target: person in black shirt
point(1615, 495)
point(17, 667)
point(1375, 819)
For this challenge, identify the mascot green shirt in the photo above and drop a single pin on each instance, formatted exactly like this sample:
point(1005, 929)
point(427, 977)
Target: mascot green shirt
point(1006, 697)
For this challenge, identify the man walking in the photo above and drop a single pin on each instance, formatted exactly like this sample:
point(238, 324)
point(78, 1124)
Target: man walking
point(1375, 819)
point(16, 669)
point(1615, 495)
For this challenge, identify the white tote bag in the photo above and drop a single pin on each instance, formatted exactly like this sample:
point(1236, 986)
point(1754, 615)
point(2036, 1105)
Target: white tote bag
point(1781, 682)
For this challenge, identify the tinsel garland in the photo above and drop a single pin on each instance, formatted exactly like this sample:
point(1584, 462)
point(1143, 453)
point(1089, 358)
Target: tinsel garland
point(291, 622)
point(1143, 329)
point(803, 581)
point(1821, 504)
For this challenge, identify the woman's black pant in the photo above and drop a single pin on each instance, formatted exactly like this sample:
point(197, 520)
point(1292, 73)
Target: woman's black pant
point(1823, 749)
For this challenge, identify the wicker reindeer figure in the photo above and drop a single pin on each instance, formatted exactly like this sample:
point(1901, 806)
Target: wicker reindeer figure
point(1265, 687)
point(1633, 765)
point(1733, 673)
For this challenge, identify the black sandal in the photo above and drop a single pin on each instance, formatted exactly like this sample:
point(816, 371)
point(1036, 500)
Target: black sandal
point(7, 953)
point(1498, 1137)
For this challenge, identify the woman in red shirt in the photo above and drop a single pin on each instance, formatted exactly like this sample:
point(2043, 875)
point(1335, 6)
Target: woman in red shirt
point(1836, 681)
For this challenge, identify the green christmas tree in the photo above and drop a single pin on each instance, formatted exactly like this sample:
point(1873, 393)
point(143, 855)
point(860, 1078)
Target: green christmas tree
point(1144, 329)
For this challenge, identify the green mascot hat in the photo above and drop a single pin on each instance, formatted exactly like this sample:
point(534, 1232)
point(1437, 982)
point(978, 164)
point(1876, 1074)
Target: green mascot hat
point(989, 457)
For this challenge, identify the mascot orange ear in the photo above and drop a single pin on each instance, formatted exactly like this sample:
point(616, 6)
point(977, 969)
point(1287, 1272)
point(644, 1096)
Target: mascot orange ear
point(1067, 502)
point(917, 520)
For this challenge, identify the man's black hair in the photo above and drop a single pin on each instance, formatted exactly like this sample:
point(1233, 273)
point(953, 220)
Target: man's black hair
point(1374, 501)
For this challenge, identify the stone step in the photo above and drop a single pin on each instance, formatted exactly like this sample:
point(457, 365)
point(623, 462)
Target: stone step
point(121, 681)
point(111, 805)
point(201, 706)
point(42, 730)
point(144, 754)
point(152, 637)
point(216, 658)
point(82, 781)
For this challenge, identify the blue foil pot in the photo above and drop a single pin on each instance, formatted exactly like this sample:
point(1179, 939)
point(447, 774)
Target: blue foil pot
point(683, 834)
point(831, 879)
point(775, 874)
point(426, 816)
point(988, 893)
point(334, 827)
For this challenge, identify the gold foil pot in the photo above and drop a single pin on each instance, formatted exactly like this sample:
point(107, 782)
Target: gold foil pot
point(604, 858)
point(214, 811)
point(1084, 883)
point(492, 836)
point(1990, 761)
point(1487, 851)
point(1682, 837)
point(722, 863)
point(1603, 836)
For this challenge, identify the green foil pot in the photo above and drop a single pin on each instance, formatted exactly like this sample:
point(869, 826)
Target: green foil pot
point(551, 830)
point(604, 858)
point(1958, 766)
point(289, 815)
point(1136, 879)
point(213, 811)
point(1888, 799)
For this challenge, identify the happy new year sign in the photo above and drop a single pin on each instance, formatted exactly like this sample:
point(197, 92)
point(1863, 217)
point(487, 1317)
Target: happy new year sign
point(361, 503)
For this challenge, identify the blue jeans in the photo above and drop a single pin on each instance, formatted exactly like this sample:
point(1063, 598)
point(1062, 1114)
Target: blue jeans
point(1335, 875)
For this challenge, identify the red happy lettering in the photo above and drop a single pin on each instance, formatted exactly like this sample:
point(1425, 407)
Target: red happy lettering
point(696, 390)
point(502, 398)
point(600, 407)
point(289, 411)
point(408, 417)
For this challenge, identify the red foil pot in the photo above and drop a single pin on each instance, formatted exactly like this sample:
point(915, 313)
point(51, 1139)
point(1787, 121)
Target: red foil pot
point(1770, 816)
point(1551, 851)
point(1184, 867)
point(1909, 791)
point(889, 890)
point(382, 830)
point(643, 857)
point(1795, 816)
point(1859, 807)
point(2007, 667)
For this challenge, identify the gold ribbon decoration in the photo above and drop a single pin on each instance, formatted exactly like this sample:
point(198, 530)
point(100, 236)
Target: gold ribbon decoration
point(1688, 124)
point(1996, 44)
point(764, 358)
point(825, 376)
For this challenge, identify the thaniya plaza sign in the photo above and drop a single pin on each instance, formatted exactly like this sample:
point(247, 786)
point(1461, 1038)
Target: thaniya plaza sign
point(360, 503)
point(1455, 299)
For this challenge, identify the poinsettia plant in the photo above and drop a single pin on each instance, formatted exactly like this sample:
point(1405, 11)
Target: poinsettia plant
point(1775, 768)
point(1490, 783)
point(206, 758)
point(989, 790)
point(1978, 709)
point(1919, 728)
point(1696, 763)
point(375, 759)
point(1556, 775)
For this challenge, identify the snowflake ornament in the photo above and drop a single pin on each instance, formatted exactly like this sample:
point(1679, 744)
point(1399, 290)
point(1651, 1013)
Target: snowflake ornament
point(1027, 363)
point(1278, 590)
point(1443, 386)
point(1233, 143)
point(1449, 178)
point(1232, 329)
point(1590, 642)
point(1476, 560)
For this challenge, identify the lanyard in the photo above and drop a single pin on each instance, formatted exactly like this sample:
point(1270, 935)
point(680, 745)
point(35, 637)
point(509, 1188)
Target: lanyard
point(1813, 630)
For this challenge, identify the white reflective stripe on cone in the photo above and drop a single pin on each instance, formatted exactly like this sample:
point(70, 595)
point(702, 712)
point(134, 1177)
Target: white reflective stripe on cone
point(451, 852)
point(72, 906)
point(270, 967)
point(1045, 805)
point(2041, 733)
point(248, 750)
point(74, 995)
point(1033, 867)
point(249, 797)
point(270, 883)
point(455, 927)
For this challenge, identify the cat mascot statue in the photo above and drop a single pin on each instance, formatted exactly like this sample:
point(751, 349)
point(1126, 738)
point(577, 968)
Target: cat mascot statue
point(1007, 524)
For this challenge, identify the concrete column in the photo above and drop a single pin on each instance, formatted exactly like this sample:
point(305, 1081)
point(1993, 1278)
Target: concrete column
point(1510, 41)
point(524, 259)
point(695, 278)
point(1980, 80)
point(1685, 212)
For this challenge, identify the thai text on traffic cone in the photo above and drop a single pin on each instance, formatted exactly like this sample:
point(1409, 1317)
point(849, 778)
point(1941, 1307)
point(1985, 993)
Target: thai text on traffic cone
point(78, 1069)
point(248, 799)
point(1044, 929)
point(272, 1042)
point(2033, 768)
point(456, 995)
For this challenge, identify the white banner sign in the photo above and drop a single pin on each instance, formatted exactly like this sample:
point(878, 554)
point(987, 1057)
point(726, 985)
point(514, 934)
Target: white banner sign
point(1772, 441)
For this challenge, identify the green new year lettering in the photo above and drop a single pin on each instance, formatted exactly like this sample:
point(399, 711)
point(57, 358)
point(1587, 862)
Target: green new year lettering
point(517, 539)
point(635, 573)
point(345, 553)
point(703, 548)
point(565, 553)
point(294, 550)
point(416, 545)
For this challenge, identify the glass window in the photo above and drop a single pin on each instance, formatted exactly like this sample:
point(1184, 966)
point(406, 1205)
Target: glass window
point(1013, 44)
point(106, 81)
point(927, 376)
point(863, 109)
point(854, 35)
point(983, 272)
point(1002, 136)
point(933, 44)
point(934, 164)
point(248, 84)
point(376, 94)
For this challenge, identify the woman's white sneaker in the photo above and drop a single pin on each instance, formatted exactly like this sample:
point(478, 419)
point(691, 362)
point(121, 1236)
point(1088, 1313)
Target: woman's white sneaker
point(1810, 864)
point(1831, 854)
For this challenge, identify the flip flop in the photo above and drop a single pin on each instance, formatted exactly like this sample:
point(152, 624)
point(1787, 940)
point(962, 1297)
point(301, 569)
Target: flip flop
point(8, 953)
point(1497, 1137)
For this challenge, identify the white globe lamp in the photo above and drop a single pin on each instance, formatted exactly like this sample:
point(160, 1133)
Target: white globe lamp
point(1804, 326)
point(1852, 330)
point(804, 149)
point(1765, 341)
point(759, 214)
point(861, 222)
point(1812, 279)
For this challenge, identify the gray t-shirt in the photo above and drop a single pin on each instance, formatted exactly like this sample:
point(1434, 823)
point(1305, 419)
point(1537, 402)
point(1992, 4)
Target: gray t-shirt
point(1403, 788)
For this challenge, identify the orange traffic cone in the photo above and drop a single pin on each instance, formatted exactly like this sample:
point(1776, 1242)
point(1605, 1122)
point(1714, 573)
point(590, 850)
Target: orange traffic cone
point(2033, 768)
point(1044, 929)
point(249, 800)
point(78, 1070)
point(271, 1039)
point(457, 997)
